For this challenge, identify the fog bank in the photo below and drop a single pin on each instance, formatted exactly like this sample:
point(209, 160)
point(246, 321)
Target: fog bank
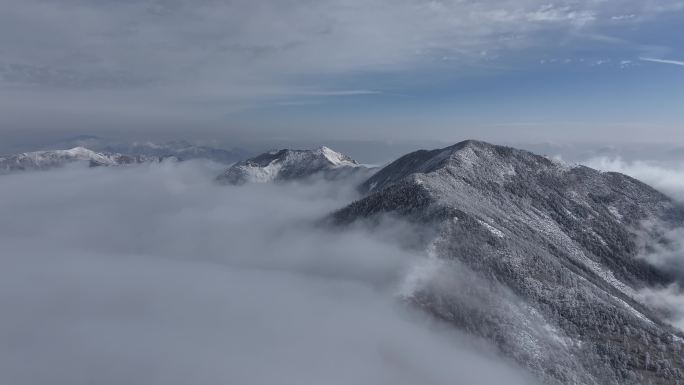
point(667, 177)
point(155, 275)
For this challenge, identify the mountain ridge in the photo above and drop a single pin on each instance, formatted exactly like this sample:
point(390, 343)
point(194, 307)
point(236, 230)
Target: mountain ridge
point(562, 241)
point(49, 159)
point(287, 164)
point(180, 149)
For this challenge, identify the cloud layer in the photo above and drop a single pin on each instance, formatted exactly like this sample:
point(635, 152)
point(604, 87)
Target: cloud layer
point(668, 177)
point(154, 275)
point(237, 52)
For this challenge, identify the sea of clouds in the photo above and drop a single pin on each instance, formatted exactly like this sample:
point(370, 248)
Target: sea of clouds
point(666, 176)
point(154, 274)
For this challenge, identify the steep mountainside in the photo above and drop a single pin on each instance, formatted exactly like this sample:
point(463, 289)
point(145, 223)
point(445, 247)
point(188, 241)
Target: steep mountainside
point(284, 165)
point(540, 257)
point(42, 160)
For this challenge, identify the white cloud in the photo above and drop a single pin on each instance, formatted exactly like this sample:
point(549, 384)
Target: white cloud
point(160, 66)
point(198, 46)
point(668, 177)
point(669, 300)
point(552, 13)
point(662, 61)
point(154, 275)
point(623, 17)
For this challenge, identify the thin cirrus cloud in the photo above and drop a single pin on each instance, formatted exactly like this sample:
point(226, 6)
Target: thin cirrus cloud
point(662, 61)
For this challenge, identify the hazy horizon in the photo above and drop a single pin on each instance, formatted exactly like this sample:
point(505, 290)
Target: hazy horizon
point(368, 151)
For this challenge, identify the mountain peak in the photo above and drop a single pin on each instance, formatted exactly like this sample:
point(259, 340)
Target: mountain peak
point(336, 158)
point(521, 228)
point(288, 164)
point(80, 151)
point(474, 143)
point(472, 158)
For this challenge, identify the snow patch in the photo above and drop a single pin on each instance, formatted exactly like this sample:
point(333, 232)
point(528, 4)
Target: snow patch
point(261, 174)
point(337, 159)
point(492, 229)
point(616, 213)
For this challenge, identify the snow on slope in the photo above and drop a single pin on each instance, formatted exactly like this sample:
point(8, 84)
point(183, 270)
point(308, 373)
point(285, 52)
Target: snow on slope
point(540, 257)
point(42, 160)
point(282, 165)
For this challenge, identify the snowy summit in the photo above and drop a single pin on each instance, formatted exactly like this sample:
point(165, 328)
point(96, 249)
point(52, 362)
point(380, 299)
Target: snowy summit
point(540, 257)
point(283, 165)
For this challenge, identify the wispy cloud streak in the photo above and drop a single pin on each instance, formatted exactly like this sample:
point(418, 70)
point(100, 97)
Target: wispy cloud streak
point(662, 61)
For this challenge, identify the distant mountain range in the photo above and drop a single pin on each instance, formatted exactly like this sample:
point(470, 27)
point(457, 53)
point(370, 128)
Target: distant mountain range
point(181, 149)
point(43, 160)
point(99, 152)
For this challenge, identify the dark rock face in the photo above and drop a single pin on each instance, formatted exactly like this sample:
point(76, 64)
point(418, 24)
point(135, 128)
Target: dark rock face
point(286, 165)
point(540, 257)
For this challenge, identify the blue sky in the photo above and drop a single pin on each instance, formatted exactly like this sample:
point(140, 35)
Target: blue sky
point(531, 70)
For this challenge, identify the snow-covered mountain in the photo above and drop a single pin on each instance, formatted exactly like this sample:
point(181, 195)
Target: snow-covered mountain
point(43, 160)
point(284, 165)
point(180, 149)
point(540, 257)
